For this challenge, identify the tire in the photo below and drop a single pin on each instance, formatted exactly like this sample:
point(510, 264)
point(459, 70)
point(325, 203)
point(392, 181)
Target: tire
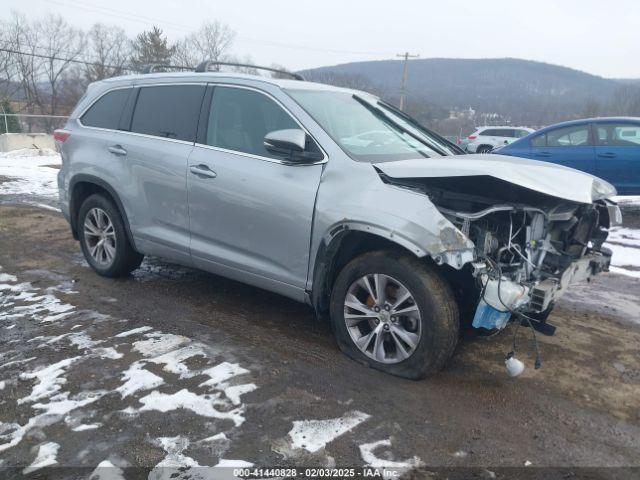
point(119, 258)
point(438, 320)
point(484, 149)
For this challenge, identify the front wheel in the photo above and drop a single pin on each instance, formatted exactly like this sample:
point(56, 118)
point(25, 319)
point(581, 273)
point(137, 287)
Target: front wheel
point(394, 313)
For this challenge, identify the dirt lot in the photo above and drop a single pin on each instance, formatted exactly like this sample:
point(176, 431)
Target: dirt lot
point(236, 374)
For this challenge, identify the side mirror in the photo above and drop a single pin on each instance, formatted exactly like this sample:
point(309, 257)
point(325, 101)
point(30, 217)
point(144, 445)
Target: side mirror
point(292, 145)
point(285, 141)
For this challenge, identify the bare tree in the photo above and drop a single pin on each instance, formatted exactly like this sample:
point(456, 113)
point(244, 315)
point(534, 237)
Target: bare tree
point(212, 41)
point(9, 84)
point(64, 44)
point(626, 101)
point(28, 68)
point(108, 47)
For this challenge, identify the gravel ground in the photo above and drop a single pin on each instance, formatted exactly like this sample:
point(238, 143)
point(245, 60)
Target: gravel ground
point(172, 370)
point(173, 367)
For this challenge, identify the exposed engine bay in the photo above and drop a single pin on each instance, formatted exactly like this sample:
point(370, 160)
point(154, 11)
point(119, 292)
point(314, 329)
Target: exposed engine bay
point(529, 246)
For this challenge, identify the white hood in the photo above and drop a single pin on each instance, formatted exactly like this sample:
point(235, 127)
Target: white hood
point(543, 177)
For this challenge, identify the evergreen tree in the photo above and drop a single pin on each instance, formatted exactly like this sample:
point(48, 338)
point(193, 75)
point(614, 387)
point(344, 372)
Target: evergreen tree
point(151, 47)
point(11, 125)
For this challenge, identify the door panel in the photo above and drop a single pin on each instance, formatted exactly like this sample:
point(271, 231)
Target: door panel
point(163, 130)
point(251, 212)
point(569, 146)
point(158, 209)
point(254, 215)
point(618, 156)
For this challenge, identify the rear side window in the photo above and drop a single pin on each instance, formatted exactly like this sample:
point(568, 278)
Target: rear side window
point(105, 113)
point(574, 136)
point(168, 111)
point(539, 141)
point(618, 134)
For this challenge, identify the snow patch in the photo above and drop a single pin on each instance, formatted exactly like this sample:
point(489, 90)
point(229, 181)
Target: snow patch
point(30, 172)
point(158, 343)
point(233, 393)
point(367, 451)
point(47, 453)
point(175, 463)
point(202, 405)
point(134, 331)
point(222, 372)
point(83, 427)
point(312, 435)
point(49, 380)
point(107, 471)
point(173, 360)
point(138, 379)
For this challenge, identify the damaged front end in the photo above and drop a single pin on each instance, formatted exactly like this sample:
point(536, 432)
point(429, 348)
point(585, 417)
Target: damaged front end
point(529, 246)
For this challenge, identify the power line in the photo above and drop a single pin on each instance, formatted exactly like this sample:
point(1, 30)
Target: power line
point(185, 28)
point(403, 88)
point(63, 59)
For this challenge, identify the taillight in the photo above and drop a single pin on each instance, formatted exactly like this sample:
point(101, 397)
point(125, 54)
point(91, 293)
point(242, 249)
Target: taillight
point(61, 135)
point(472, 137)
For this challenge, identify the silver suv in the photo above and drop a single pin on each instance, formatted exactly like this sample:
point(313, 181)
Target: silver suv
point(331, 197)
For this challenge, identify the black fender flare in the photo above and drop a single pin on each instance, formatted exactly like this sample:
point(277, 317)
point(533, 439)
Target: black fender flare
point(73, 209)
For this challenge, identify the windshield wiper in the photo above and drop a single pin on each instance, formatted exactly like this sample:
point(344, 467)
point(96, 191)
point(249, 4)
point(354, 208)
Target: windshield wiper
point(382, 114)
point(413, 122)
point(378, 112)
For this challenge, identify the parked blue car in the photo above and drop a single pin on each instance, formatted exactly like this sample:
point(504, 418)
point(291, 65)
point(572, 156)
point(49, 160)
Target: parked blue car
point(608, 148)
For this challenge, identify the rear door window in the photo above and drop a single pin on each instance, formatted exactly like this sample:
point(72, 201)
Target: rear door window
point(618, 134)
point(168, 111)
point(105, 113)
point(574, 136)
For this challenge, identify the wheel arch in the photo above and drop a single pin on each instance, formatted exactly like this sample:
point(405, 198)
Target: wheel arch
point(345, 242)
point(81, 187)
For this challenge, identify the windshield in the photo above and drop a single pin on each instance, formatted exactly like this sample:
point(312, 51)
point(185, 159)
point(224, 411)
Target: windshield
point(369, 130)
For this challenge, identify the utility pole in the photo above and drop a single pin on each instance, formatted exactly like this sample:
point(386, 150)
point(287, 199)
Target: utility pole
point(403, 88)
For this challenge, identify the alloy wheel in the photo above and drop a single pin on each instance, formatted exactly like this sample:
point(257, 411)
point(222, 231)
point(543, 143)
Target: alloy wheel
point(100, 236)
point(382, 318)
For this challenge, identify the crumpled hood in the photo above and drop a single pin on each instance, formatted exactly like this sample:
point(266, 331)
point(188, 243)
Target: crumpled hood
point(543, 177)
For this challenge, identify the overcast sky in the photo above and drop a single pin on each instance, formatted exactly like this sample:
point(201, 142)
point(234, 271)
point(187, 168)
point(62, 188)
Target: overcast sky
point(599, 37)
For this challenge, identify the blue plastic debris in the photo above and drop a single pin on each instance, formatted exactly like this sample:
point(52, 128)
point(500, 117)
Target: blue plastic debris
point(490, 318)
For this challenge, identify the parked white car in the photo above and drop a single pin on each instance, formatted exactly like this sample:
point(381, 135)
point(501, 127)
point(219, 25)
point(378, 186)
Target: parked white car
point(485, 139)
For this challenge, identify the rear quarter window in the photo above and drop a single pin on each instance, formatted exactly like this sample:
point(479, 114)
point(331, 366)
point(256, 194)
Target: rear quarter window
point(106, 111)
point(539, 141)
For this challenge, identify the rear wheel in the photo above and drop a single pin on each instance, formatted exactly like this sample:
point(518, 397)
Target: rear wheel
point(394, 313)
point(104, 240)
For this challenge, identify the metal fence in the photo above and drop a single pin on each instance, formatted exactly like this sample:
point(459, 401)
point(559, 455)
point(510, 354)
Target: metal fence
point(31, 123)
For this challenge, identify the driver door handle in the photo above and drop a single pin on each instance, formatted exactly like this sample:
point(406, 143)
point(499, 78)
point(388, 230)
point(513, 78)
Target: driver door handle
point(202, 171)
point(607, 155)
point(543, 154)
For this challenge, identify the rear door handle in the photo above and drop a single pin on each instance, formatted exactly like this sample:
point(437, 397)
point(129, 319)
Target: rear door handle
point(202, 171)
point(117, 150)
point(607, 155)
point(543, 154)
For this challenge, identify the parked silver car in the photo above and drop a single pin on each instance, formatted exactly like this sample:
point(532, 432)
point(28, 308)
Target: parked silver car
point(331, 197)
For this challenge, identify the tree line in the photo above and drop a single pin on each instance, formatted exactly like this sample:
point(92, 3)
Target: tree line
point(46, 63)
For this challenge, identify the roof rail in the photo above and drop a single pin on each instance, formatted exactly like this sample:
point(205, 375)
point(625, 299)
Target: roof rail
point(152, 67)
point(204, 67)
